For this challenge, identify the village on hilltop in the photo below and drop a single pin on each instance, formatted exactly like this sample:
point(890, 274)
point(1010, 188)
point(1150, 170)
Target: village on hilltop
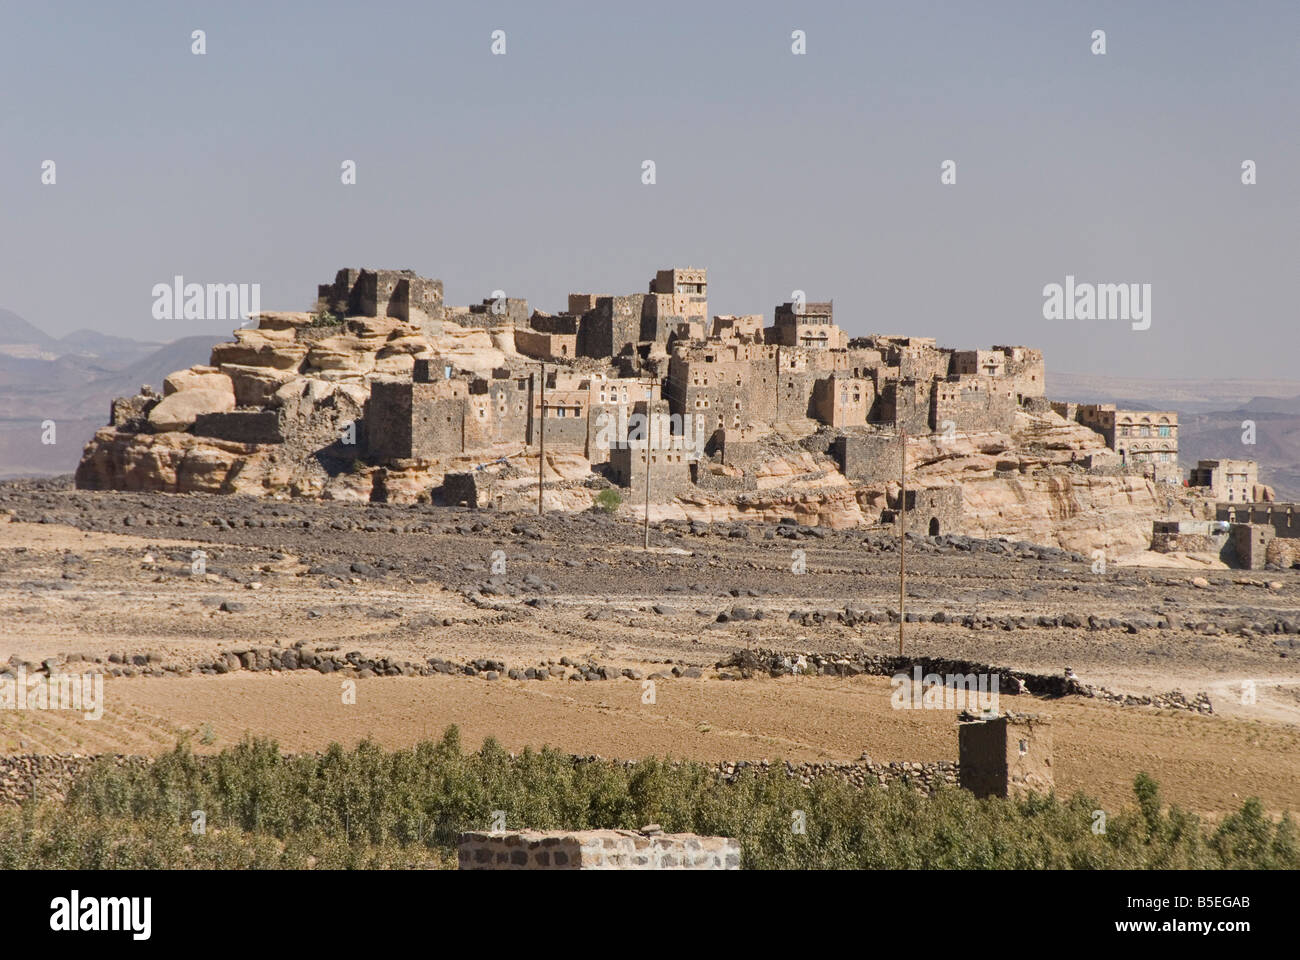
point(389, 388)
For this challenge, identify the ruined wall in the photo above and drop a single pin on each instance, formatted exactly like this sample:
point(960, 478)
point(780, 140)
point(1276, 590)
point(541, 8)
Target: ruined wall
point(931, 511)
point(1283, 517)
point(241, 426)
point(461, 489)
point(383, 293)
point(132, 413)
point(907, 405)
point(870, 458)
point(493, 312)
point(596, 850)
point(1026, 371)
point(546, 346)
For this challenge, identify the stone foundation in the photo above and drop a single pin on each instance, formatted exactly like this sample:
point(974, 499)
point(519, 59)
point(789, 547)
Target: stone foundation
point(646, 849)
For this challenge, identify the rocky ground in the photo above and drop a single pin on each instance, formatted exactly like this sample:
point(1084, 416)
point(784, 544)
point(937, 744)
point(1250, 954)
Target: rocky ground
point(538, 628)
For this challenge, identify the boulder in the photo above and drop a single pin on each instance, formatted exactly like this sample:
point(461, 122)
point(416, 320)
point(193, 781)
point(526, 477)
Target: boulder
point(261, 348)
point(177, 412)
point(197, 377)
point(256, 386)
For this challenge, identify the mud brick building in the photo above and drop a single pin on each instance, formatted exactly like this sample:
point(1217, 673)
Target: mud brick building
point(1006, 756)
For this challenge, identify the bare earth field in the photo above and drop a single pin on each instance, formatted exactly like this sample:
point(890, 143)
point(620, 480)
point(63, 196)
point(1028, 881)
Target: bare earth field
point(86, 576)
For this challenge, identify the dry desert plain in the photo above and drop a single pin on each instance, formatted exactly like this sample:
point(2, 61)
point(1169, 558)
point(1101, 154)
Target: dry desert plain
point(105, 582)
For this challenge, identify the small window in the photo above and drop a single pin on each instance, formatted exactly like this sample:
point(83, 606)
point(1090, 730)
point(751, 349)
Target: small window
point(1024, 747)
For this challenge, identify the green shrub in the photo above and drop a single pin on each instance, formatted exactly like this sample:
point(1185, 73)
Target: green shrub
point(608, 499)
point(368, 807)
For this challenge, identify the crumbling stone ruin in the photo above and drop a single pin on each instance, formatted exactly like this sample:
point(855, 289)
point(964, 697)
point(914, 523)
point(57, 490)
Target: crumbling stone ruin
point(385, 391)
point(646, 849)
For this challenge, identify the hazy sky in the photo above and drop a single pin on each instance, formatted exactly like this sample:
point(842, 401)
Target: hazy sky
point(819, 172)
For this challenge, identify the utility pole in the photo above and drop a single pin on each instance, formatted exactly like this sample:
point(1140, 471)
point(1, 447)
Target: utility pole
point(541, 435)
point(902, 531)
point(649, 420)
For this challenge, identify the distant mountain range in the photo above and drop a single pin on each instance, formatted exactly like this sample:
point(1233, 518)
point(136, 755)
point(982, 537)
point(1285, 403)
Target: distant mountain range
point(72, 380)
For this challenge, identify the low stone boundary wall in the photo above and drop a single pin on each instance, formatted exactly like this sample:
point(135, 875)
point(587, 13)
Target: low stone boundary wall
point(647, 849)
point(778, 662)
point(52, 774)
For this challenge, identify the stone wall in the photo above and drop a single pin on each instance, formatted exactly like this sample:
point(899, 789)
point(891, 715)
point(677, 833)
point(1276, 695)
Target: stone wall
point(612, 327)
point(868, 458)
point(132, 413)
point(51, 775)
point(1250, 544)
point(977, 405)
point(647, 849)
point(461, 489)
point(931, 512)
point(1284, 518)
point(241, 426)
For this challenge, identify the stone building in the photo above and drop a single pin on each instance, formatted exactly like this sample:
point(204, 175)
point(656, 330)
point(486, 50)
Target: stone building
point(868, 457)
point(1233, 481)
point(843, 400)
point(1006, 756)
point(646, 849)
point(612, 327)
point(384, 293)
point(747, 327)
point(654, 447)
point(677, 294)
point(1145, 438)
point(931, 511)
point(1283, 518)
point(811, 326)
point(1027, 371)
point(989, 363)
point(1250, 544)
point(973, 404)
point(407, 420)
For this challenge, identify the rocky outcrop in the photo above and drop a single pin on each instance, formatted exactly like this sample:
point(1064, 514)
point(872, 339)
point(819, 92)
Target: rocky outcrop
point(305, 379)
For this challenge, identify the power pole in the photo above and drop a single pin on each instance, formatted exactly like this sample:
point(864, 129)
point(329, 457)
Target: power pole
point(649, 420)
point(902, 531)
point(541, 436)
